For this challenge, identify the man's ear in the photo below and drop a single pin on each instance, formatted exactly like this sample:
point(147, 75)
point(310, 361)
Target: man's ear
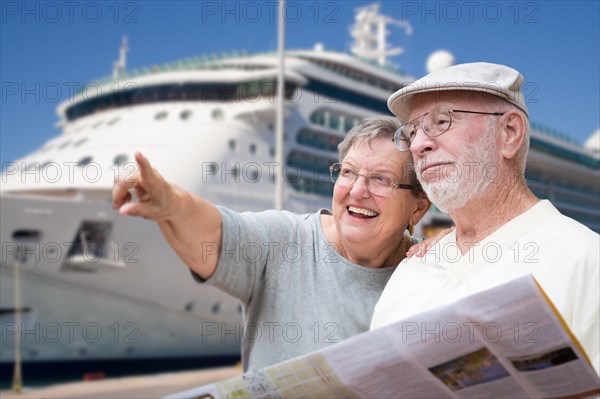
point(512, 134)
point(423, 205)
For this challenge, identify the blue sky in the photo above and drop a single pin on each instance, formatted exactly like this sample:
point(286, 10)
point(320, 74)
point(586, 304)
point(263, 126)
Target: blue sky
point(48, 47)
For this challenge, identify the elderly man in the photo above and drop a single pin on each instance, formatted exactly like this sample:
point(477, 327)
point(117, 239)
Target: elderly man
point(469, 135)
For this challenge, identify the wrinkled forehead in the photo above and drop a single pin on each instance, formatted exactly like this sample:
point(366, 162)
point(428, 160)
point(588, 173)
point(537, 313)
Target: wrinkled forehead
point(453, 99)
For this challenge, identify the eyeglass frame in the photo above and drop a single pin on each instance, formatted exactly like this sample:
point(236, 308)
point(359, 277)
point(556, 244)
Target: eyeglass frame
point(398, 133)
point(393, 186)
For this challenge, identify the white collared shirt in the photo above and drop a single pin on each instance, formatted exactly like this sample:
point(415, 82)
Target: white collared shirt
point(562, 254)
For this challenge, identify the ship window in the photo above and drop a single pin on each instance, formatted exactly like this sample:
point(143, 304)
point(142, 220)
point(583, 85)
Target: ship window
point(95, 125)
point(342, 124)
point(120, 159)
point(84, 161)
point(80, 142)
point(113, 121)
point(160, 115)
point(252, 148)
point(91, 241)
point(272, 152)
point(232, 145)
point(218, 114)
point(185, 114)
point(327, 119)
point(26, 235)
point(318, 139)
point(63, 145)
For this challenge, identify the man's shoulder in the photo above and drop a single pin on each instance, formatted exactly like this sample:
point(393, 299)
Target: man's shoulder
point(562, 225)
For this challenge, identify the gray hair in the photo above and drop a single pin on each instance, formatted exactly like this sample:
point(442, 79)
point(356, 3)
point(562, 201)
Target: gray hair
point(501, 105)
point(379, 127)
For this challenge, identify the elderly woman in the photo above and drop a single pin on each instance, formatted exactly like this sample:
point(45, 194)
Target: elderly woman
point(314, 279)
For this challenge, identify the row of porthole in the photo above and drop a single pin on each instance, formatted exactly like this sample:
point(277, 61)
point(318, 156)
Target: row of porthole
point(120, 159)
point(76, 144)
point(216, 114)
point(66, 144)
point(252, 148)
point(252, 174)
point(99, 123)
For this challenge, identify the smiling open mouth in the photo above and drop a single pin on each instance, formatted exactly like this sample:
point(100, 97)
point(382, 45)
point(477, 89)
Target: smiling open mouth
point(361, 212)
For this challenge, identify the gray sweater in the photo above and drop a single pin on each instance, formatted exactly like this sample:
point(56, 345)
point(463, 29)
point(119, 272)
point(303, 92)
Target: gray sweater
point(298, 293)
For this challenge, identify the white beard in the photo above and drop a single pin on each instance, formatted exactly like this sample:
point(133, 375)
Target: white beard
point(473, 172)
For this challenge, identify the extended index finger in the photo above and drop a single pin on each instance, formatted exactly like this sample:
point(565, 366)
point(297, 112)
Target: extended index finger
point(146, 171)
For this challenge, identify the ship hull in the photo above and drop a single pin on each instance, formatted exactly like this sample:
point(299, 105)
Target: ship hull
point(137, 301)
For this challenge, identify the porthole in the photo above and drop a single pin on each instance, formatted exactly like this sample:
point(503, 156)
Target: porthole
point(80, 142)
point(63, 145)
point(185, 114)
point(232, 145)
point(84, 161)
point(218, 114)
point(113, 121)
point(160, 115)
point(120, 159)
point(252, 148)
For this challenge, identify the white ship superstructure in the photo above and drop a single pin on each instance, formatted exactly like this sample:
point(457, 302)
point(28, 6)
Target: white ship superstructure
point(96, 286)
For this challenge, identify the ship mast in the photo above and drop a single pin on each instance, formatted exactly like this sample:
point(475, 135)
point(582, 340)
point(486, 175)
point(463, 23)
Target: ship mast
point(280, 103)
point(120, 66)
point(370, 34)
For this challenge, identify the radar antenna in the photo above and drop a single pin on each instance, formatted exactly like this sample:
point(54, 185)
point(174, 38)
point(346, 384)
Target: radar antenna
point(369, 32)
point(119, 66)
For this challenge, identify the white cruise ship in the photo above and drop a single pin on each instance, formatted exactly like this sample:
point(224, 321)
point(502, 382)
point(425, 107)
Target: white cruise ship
point(96, 288)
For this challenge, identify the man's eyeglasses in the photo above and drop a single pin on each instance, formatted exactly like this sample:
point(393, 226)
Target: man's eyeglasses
point(433, 123)
point(377, 183)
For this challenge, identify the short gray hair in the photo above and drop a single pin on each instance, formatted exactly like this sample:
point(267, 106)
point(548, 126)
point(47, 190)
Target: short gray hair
point(379, 127)
point(368, 129)
point(498, 104)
